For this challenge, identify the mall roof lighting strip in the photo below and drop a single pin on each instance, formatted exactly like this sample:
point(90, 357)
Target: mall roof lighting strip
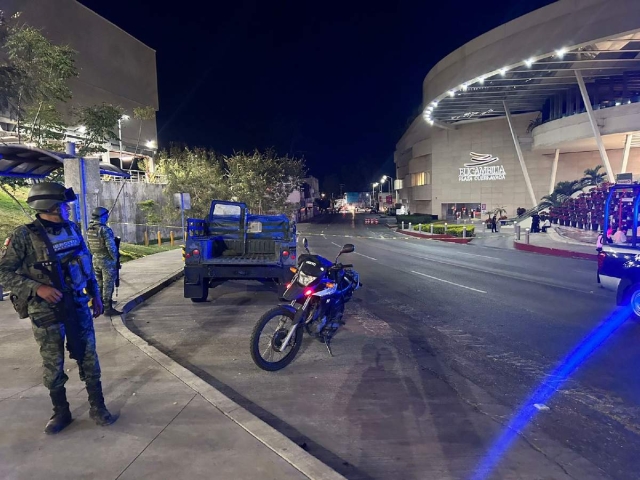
point(458, 99)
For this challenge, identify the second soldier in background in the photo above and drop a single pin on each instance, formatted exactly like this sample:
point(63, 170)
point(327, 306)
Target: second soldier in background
point(102, 244)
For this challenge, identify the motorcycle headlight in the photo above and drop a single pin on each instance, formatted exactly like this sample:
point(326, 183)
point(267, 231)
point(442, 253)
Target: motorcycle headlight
point(304, 279)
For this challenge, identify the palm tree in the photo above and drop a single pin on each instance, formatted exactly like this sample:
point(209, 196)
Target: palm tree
point(593, 176)
point(567, 188)
point(554, 199)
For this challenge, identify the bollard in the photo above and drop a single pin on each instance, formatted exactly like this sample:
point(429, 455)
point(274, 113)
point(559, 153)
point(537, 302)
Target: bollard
point(172, 239)
point(409, 225)
point(403, 225)
point(464, 232)
point(146, 238)
point(431, 229)
point(445, 228)
point(517, 231)
point(526, 236)
point(159, 239)
point(419, 227)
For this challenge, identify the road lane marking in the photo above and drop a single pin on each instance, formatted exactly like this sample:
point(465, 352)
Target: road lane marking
point(447, 281)
point(362, 255)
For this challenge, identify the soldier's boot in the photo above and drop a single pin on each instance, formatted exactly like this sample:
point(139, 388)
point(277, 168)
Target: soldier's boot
point(61, 414)
point(109, 310)
point(98, 411)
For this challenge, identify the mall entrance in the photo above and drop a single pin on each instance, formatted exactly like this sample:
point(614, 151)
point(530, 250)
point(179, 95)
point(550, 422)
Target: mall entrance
point(462, 211)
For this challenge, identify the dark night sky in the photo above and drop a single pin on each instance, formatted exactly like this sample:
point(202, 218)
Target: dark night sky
point(337, 82)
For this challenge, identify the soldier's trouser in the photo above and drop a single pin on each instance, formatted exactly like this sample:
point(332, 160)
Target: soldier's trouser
point(105, 275)
point(51, 341)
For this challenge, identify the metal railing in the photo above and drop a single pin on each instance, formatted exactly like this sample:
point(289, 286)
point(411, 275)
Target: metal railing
point(138, 176)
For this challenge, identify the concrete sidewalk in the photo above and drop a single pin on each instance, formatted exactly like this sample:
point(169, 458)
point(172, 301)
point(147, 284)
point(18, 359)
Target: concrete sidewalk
point(171, 425)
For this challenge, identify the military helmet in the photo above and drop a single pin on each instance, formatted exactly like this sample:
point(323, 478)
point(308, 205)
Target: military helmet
point(99, 212)
point(47, 195)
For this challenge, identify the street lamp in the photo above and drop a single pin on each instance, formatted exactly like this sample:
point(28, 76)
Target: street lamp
point(123, 117)
point(373, 193)
point(390, 179)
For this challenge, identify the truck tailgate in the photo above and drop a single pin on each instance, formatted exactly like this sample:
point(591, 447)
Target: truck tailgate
point(247, 259)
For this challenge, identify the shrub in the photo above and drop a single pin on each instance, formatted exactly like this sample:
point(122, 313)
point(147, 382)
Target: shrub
point(416, 219)
point(454, 230)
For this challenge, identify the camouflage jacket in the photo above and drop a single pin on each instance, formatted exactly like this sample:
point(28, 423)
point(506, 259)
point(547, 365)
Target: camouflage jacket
point(23, 260)
point(102, 241)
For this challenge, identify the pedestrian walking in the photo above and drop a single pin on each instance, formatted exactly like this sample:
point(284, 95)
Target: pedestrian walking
point(47, 267)
point(105, 253)
point(494, 224)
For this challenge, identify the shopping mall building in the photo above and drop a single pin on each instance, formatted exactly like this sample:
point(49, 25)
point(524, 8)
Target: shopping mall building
point(529, 104)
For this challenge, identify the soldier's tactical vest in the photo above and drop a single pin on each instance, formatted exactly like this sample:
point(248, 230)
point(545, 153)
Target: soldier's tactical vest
point(76, 261)
point(95, 239)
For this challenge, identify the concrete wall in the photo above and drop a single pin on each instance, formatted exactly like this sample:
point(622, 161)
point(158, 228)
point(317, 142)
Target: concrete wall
point(113, 66)
point(127, 219)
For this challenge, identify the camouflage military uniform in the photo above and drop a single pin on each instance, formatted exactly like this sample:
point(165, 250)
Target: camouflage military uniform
point(22, 274)
point(105, 255)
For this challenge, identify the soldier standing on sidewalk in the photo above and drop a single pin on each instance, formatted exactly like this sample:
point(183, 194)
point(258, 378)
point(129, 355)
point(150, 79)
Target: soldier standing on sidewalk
point(102, 244)
point(47, 267)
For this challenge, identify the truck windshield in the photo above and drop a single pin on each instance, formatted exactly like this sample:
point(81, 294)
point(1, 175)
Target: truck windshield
point(220, 209)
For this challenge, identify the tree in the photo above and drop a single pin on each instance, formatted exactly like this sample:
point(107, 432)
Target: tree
point(36, 72)
point(554, 199)
point(567, 188)
point(593, 176)
point(100, 122)
point(142, 114)
point(264, 181)
point(198, 172)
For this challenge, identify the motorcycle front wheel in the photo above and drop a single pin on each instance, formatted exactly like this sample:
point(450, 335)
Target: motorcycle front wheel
point(268, 336)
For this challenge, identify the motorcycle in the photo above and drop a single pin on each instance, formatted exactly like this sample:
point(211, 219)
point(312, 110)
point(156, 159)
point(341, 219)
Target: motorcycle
point(317, 295)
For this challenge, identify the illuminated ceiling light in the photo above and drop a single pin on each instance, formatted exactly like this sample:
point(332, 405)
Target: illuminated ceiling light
point(82, 129)
point(560, 52)
point(435, 104)
point(430, 122)
point(150, 143)
point(503, 71)
point(480, 80)
point(464, 87)
point(529, 62)
point(452, 93)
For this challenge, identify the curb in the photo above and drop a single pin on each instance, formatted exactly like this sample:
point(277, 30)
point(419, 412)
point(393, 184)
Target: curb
point(281, 445)
point(556, 252)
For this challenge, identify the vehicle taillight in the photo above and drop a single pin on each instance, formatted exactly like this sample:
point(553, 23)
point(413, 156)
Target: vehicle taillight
point(308, 292)
point(188, 255)
point(293, 257)
point(285, 253)
point(601, 257)
point(196, 252)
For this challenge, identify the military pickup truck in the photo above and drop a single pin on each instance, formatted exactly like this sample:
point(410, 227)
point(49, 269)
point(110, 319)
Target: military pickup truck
point(232, 244)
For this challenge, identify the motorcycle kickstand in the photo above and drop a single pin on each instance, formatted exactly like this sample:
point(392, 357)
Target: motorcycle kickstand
point(327, 342)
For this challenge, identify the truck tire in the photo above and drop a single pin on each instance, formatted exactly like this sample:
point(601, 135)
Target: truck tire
point(205, 292)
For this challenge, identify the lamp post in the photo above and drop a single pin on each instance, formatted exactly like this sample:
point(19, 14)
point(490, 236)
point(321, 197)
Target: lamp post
point(124, 117)
point(373, 194)
point(390, 179)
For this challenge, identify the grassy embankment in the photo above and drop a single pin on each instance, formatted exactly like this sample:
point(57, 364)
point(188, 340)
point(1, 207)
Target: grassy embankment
point(11, 216)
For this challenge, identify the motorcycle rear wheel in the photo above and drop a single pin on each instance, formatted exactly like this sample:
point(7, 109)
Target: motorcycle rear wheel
point(283, 318)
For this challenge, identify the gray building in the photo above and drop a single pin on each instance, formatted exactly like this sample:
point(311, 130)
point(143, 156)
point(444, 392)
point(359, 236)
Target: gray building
point(113, 66)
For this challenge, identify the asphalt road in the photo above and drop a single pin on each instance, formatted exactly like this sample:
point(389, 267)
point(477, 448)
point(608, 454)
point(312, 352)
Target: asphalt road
point(443, 346)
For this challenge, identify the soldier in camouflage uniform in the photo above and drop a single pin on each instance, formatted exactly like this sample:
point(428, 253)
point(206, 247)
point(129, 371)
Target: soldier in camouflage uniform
point(28, 271)
point(105, 256)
